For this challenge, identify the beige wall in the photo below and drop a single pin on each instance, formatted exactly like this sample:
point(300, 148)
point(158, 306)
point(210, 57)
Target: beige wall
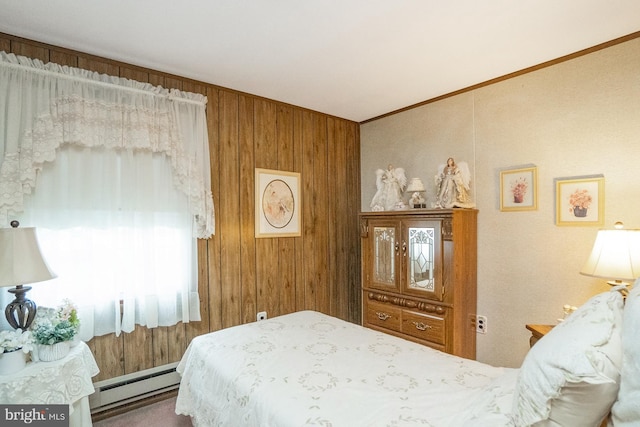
point(579, 117)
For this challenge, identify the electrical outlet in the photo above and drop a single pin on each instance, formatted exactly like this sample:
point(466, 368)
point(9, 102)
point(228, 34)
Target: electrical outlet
point(481, 324)
point(261, 316)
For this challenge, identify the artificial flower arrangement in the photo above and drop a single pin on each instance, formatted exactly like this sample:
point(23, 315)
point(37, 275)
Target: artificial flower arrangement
point(580, 199)
point(49, 334)
point(519, 189)
point(16, 340)
point(55, 325)
point(68, 311)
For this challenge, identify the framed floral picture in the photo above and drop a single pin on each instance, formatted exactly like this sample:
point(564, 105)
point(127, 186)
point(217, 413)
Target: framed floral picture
point(278, 208)
point(519, 189)
point(580, 200)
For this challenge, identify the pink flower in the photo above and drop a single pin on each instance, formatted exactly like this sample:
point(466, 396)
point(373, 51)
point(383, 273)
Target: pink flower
point(580, 199)
point(519, 187)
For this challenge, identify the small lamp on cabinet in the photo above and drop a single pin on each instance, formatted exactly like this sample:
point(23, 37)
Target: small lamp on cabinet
point(21, 262)
point(417, 200)
point(615, 256)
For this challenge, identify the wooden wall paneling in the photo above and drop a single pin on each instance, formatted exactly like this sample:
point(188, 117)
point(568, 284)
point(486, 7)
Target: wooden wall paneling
point(63, 58)
point(177, 342)
point(108, 351)
point(320, 205)
point(138, 349)
point(246, 186)
point(195, 328)
point(299, 243)
point(353, 226)
point(335, 176)
point(337, 184)
point(286, 246)
point(5, 44)
point(134, 74)
point(30, 50)
point(172, 83)
point(214, 296)
point(156, 79)
point(98, 65)
point(266, 260)
point(308, 213)
point(229, 209)
point(194, 87)
point(284, 138)
point(160, 345)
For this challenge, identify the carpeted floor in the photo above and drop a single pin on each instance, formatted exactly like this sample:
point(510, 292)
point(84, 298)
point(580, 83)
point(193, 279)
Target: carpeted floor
point(159, 414)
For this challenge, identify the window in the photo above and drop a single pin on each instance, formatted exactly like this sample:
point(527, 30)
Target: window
point(118, 235)
point(115, 176)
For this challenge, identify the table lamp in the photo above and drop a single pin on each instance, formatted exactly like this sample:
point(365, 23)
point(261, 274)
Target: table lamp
point(417, 187)
point(615, 256)
point(21, 262)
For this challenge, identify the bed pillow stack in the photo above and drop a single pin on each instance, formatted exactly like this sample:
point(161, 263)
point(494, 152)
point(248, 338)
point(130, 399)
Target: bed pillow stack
point(571, 376)
point(626, 410)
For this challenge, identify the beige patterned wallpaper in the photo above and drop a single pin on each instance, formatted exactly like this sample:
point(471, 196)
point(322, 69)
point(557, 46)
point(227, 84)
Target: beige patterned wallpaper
point(575, 118)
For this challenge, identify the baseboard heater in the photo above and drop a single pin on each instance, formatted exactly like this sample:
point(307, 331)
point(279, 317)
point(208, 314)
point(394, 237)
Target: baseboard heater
point(129, 388)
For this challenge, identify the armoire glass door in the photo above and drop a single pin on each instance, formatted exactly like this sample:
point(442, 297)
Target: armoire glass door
point(421, 252)
point(384, 253)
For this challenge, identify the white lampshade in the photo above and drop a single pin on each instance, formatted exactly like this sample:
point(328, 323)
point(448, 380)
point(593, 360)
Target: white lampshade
point(615, 255)
point(21, 261)
point(415, 184)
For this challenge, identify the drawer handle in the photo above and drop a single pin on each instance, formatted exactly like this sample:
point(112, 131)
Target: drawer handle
point(422, 326)
point(382, 316)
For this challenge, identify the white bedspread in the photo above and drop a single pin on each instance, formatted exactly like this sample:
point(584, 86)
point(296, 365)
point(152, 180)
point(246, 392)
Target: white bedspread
point(309, 369)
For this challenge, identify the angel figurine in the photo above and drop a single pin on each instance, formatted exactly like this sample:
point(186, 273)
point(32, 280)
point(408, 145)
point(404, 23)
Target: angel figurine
point(390, 184)
point(452, 185)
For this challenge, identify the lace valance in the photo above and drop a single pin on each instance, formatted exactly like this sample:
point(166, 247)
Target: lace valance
point(43, 106)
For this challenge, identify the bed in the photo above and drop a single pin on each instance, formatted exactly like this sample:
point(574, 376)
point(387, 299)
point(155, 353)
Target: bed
point(310, 369)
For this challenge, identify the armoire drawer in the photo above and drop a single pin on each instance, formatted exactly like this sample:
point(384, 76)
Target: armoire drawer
point(424, 326)
point(383, 315)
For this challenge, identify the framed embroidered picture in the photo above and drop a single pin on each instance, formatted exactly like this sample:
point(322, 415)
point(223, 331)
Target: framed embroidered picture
point(519, 189)
point(580, 200)
point(278, 207)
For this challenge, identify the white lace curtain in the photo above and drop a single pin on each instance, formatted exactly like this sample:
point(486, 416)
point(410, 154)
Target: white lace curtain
point(115, 176)
point(45, 106)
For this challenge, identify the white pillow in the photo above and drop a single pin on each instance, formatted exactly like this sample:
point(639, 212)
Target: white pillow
point(571, 376)
point(626, 410)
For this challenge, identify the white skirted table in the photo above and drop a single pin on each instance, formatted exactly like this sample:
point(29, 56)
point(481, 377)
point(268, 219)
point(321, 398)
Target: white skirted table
point(64, 381)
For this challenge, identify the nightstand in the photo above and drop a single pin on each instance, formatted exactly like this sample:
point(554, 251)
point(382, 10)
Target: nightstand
point(537, 332)
point(64, 381)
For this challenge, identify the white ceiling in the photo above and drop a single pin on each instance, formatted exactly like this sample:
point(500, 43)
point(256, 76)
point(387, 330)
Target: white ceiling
point(354, 59)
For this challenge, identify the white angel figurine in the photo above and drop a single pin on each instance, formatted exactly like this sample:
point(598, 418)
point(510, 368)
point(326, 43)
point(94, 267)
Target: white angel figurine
point(452, 185)
point(390, 184)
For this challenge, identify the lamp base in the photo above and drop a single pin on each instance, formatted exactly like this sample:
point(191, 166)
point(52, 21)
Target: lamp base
point(21, 311)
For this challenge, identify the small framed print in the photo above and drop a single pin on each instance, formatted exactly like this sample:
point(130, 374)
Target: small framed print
point(519, 189)
point(278, 208)
point(580, 200)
